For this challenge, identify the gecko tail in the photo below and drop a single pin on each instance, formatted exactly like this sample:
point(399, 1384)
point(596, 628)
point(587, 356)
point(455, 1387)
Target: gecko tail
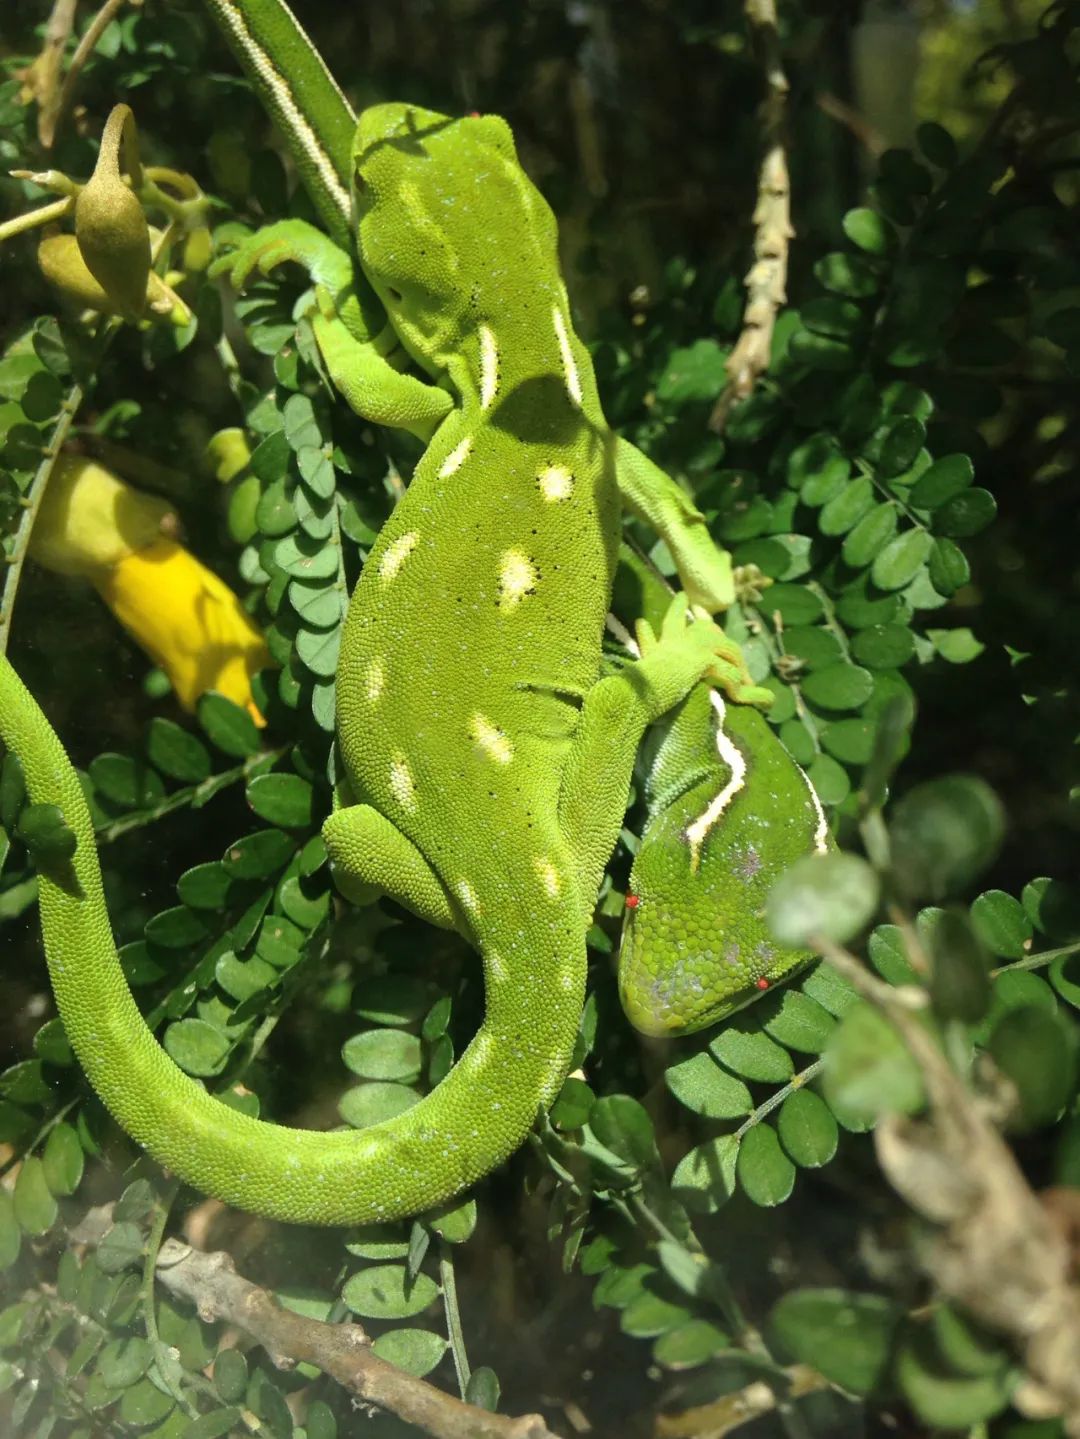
point(471, 1121)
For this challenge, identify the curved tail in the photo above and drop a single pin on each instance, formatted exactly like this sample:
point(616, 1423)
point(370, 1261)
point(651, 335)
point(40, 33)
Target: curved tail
point(477, 1116)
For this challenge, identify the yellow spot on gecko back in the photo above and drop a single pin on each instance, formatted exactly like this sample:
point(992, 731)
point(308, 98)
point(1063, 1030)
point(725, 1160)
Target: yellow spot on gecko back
point(570, 369)
point(556, 483)
point(467, 895)
point(455, 459)
point(489, 366)
point(402, 784)
point(375, 679)
point(518, 577)
point(549, 877)
point(396, 554)
point(490, 739)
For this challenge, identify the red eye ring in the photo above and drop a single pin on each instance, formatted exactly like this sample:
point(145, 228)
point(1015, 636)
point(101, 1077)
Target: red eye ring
point(632, 901)
point(761, 983)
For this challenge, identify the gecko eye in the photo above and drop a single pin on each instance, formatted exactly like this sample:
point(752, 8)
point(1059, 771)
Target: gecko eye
point(395, 295)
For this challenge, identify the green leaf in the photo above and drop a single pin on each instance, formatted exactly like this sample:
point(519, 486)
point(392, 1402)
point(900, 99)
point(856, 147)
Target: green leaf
point(883, 647)
point(847, 274)
point(45, 832)
point(870, 536)
point(959, 979)
point(838, 687)
point(35, 1208)
point(454, 1222)
point(800, 1023)
point(573, 1105)
point(831, 895)
point(900, 561)
point(869, 231)
point(62, 1160)
point(689, 1345)
point(124, 1360)
point(704, 1179)
point(382, 1291)
point(240, 979)
point(966, 514)
point(937, 144)
point(482, 1390)
point(301, 426)
point(1037, 1051)
point(126, 782)
point(829, 779)
point(943, 480)
point(371, 1103)
point(957, 646)
point(51, 1043)
point(228, 726)
point(230, 1375)
point(319, 606)
point(896, 447)
point(693, 374)
point(204, 886)
point(258, 855)
point(947, 1400)
point(12, 790)
point(1054, 907)
point(766, 1174)
point(703, 1087)
point(176, 751)
point(1002, 925)
point(177, 928)
point(651, 1314)
point(319, 651)
point(121, 1248)
point(145, 1404)
point(384, 1054)
point(213, 1425)
point(416, 1351)
point(622, 1125)
point(868, 1071)
point(10, 1232)
point(197, 1047)
point(846, 509)
point(392, 999)
point(742, 1046)
point(282, 799)
point(25, 1083)
point(846, 1337)
point(948, 567)
point(795, 604)
point(807, 1129)
point(943, 833)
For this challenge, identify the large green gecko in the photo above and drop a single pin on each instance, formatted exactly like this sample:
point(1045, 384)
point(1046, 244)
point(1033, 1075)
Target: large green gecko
point(488, 763)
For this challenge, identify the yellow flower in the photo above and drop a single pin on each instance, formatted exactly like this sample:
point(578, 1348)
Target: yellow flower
point(186, 619)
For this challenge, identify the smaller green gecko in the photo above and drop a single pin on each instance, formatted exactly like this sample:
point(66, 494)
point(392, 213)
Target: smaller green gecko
point(728, 810)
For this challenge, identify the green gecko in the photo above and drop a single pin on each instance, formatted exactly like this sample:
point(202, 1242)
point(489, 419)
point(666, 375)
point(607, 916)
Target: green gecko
point(728, 810)
point(488, 763)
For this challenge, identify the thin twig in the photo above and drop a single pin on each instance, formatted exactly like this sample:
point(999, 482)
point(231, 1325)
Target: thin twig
point(31, 504)
point(766, 280)
point(49, 124)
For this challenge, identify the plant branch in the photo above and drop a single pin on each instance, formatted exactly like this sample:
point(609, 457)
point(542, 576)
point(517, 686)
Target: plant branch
point(993, 1248)
point(341, 1351)
point(766, 280)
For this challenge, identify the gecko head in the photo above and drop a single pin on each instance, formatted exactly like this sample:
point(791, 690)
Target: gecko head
point(445, 217)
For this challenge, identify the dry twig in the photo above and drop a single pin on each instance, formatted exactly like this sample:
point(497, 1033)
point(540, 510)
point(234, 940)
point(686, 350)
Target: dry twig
point(342, 1351)
point(766, 280)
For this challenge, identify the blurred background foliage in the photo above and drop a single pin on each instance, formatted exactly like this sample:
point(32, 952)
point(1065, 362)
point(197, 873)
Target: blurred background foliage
point(905, 473)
